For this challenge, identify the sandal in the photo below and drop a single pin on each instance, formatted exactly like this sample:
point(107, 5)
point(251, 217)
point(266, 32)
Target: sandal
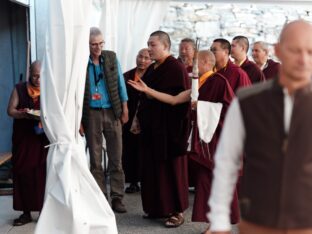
point(174, 221)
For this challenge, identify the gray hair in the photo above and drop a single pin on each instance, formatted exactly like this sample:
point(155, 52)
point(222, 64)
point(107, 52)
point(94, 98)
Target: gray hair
point(264, 45)
point(94, 31)
point(189, 40)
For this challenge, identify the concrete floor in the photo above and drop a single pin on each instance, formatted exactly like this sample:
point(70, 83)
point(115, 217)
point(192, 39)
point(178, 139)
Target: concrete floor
point(128, 223)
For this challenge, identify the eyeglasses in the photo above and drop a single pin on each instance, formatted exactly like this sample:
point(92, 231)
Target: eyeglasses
point(94, 45)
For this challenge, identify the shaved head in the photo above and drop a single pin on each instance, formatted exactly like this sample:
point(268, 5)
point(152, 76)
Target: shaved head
point(291, 28)
point(163, 37)
point(143, 51)
point(294, 50)
point(34, 73)
point(243, 41)
point(35, 64)
point(206, 61)
point(208, 56)
point(143, 59)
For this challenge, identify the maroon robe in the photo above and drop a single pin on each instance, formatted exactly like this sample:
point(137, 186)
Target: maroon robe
point(216, 89)
point(236, 76)
point(271, 69)
point(28, 158)
point(189, 70)
point(164, 133)
point(253, 71)
point(130, 141)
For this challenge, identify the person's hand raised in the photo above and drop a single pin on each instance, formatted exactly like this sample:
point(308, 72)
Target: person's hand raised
point(138, 85)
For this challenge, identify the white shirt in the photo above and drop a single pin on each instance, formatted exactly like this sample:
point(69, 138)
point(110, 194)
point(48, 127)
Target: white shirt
point(228, 163)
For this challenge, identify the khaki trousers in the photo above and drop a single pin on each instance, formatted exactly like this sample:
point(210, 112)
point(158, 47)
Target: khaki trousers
point(102, 121)
point(250, 228)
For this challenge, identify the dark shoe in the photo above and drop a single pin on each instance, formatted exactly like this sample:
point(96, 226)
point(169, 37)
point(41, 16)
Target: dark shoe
point(22, 220)
point(118, 206)
point(133, 188)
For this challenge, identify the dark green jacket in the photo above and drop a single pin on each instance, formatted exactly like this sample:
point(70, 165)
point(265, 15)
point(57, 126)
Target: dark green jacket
point(109, 65)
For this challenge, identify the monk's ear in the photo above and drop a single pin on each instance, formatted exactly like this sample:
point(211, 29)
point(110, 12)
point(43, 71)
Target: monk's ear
point(166, 46)
point(244, 48)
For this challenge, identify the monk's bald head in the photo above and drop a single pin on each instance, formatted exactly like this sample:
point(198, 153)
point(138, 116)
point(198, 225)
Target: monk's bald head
point(206, 61)
point(34, 73)
point(144, 50)
point(35, 65)
point(143, 59)
point(207, 56)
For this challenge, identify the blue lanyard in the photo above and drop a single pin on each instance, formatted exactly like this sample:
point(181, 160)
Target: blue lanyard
point(96, 78)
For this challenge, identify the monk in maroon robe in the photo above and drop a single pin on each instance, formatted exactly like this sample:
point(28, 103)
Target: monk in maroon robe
point(239, 50)
point(236, 76)
point(213, 88)
point(260, 54)
point(130, 135)
point(271, 68)
point(253, 71)
point(164, 132)
point(186, 53)
point(28, 152)
point(216, 89)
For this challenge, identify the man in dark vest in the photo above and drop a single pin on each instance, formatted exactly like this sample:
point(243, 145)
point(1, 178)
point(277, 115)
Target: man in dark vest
point(271, 123)
point(104, 111)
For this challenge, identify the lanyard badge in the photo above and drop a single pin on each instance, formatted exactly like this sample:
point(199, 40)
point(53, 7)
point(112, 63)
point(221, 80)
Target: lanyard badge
point(97, 78)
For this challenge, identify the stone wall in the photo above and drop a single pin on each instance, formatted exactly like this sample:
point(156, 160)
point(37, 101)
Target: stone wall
point(210, 21)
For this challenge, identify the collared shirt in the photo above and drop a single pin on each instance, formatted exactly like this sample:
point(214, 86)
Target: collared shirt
point(228, 163)
point(265, 65)
point(100, 87)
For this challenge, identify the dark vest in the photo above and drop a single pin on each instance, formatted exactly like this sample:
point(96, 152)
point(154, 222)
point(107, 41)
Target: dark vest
point(277, 180)
point(110, 68)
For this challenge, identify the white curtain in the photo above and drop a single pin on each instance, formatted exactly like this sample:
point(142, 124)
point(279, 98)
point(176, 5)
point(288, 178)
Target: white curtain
point(73, 201)
point(127, 24)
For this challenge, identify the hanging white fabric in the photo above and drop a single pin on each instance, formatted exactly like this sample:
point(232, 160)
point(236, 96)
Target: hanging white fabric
point(73, 201)
point(127, 24)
